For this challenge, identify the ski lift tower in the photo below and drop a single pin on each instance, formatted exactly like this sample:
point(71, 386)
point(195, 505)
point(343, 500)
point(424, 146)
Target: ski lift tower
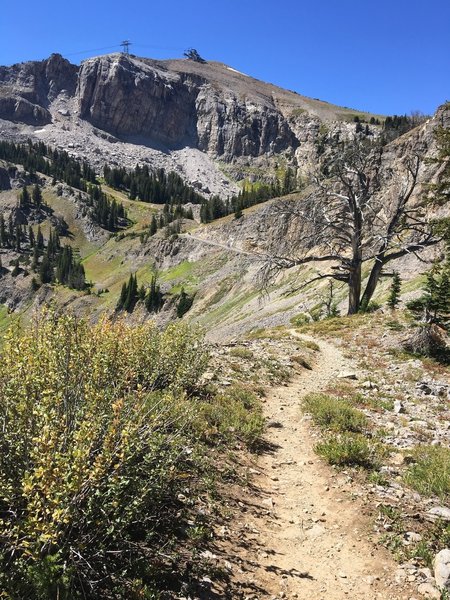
point(126, 46)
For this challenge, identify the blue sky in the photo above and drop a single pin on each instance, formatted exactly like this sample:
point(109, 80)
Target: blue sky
point(386, 56)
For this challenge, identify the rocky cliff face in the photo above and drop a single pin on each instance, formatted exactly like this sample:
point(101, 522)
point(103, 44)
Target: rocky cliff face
point(174, 104)
point(27, 89)
point(129, 97)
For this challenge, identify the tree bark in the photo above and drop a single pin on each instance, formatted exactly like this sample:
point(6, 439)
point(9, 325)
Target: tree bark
point(372, 282)
point(354, 288)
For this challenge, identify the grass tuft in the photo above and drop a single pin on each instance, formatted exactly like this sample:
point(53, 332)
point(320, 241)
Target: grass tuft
point(430, 474)
point(348, 449)
point(334, 414)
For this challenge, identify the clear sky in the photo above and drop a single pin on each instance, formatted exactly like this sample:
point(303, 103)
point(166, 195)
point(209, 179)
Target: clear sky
point(388, 57)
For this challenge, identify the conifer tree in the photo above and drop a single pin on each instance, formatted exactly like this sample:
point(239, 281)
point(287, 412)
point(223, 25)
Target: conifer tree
point(39, 239)
point(184, 303)
point(35, 260)
point(122, 297)
point(24, 198)
point(394, 295)
point(18, 235)
point(132, 295)
point(154, 299)
point(37, 195)
point(31, 237)
point(141, 293)
point(46, 269)
point(3, 234)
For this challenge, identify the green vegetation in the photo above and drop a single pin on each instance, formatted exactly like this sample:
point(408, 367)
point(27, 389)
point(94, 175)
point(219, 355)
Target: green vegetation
point(345, 443)
point(237, 413)
point(430, 473)
point(241, 352)
point(131, 294)
point(348, 449)
point(394, 294)
point(334, 414)
point(250, 195)
point(158, 187)
point(184, 303)
point(37, 157)
point(103, 456)
point(434, 304)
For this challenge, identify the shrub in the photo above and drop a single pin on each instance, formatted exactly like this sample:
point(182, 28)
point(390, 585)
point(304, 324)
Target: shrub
point(331, 413)
point(348, 449)
point(300, 319)
point(234, 413)
point(427, 339)
point(370, 308)
point(95, 424)
point(430, 474)
point(241, 352)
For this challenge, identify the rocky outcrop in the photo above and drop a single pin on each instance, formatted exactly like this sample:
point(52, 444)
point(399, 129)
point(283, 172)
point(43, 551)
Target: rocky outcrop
point(229, 126)
point(125, 98)
point(173, 104)
point(27, 89)
point(129, 97)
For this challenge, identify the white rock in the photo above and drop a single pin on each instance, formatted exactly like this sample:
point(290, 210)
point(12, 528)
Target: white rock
point(442, 569)
point(347, 375)
point(439, 512)
point(428, 591)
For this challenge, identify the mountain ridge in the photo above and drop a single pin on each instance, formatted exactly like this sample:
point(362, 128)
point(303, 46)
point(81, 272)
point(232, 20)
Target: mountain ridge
point(210, 122)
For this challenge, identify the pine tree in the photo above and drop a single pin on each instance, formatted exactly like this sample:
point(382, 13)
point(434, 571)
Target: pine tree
point(46, 269)
point(141, 293)
point(35, 260)
point(3, 234)
point(37, 195)
point(122, 297)
point(434, 304)
point(394, 295)
point(24, 198)
point(18, 235)
point(39, 239)
point(154, 299)
point(131, 294)
point(31, 237)
point(184, 303)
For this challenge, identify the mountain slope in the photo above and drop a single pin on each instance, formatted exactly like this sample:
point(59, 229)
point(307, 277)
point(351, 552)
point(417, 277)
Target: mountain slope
point(208, 121)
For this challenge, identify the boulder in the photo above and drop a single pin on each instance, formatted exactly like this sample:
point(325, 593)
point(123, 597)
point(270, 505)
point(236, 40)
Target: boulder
point(442, 569)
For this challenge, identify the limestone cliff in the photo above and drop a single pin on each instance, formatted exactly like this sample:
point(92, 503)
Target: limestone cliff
point(171, 104)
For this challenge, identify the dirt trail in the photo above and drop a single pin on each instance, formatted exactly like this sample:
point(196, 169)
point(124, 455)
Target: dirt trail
point(313, 542)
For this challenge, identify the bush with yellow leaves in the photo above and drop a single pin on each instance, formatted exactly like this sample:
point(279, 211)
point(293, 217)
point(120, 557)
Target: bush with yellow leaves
point(95, 422)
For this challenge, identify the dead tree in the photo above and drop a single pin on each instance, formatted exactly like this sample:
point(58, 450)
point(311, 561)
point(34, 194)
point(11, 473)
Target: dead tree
point(346, 221)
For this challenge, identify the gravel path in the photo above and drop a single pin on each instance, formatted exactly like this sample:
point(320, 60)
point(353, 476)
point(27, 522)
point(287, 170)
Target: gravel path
point(313, 541)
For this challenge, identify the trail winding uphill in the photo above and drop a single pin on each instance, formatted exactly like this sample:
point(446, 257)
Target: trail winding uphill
point(304, 534)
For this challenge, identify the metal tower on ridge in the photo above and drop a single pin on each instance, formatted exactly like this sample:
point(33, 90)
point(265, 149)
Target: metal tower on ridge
point(126, 46)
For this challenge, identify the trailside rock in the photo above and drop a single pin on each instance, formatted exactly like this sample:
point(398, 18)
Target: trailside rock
point(442, 569)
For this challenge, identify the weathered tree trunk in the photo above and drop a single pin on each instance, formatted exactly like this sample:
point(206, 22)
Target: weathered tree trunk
point(372, 283)
point(354, 289)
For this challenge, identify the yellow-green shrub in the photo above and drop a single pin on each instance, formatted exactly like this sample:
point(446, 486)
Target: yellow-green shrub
point(94, 423)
